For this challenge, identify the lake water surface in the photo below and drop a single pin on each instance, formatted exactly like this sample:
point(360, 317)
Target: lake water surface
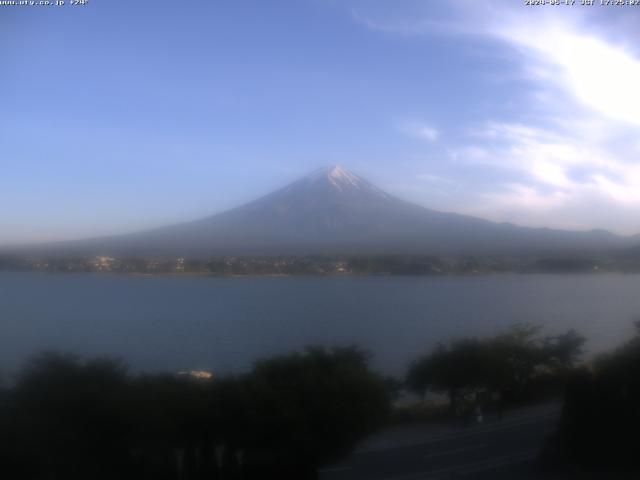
point(224, 324)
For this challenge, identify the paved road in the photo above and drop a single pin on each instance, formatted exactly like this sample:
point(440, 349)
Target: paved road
point(496, 449)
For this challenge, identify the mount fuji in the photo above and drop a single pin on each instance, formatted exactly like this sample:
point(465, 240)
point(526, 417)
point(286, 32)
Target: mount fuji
point(335, 211)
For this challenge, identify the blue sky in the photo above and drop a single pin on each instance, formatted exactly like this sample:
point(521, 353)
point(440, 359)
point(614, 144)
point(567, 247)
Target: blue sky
point(119, 116)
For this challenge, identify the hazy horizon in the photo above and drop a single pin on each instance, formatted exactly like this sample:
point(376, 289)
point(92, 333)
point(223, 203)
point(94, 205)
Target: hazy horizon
point(260, 197)
point(124, 117)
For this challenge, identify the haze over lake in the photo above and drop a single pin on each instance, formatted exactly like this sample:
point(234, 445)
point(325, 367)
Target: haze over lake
point(224, 324)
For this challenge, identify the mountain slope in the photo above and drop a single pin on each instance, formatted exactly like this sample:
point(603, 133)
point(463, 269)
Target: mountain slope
point(334, 211)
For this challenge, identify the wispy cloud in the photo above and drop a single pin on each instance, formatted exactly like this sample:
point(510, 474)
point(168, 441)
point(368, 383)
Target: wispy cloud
point(559, 171)
point(579, 154)
point(419, 130)
point(596, 72)
point(569, 152)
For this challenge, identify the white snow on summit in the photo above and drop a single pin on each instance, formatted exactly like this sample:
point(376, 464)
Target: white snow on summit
point(340, 177)
point(343, 179)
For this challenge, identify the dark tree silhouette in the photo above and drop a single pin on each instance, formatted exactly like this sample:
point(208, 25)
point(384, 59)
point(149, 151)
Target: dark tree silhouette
point(601, 418)
point(505, 364)
point(66, 418)
point(308, 409)
point(72, 419)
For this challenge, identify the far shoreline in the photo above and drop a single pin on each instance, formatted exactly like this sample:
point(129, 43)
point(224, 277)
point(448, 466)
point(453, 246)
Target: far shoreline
point(327, 275)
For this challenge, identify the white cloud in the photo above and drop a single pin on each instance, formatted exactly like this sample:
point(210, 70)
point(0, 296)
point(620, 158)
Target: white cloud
point(563, 175)
point(597, 73)
point(571, 156)
point(593, 109)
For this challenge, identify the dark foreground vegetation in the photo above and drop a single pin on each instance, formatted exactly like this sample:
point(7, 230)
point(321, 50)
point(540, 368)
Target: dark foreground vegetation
point(71, 419)
point(517, 366)
point(67, 418)
point(601, 415)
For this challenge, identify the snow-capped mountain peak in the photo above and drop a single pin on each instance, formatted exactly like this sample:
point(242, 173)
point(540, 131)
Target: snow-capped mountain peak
point(341, 177)
point(335, 211)
point(342, 180)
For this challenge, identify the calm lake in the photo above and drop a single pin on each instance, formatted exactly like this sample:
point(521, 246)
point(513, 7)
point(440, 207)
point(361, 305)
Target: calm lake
point(224, 324)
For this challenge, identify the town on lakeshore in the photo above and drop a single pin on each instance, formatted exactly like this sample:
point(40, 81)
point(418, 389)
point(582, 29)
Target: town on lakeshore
point(323, 265)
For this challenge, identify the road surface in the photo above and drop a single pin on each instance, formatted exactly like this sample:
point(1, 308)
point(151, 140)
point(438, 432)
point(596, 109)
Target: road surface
point(496, 449)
